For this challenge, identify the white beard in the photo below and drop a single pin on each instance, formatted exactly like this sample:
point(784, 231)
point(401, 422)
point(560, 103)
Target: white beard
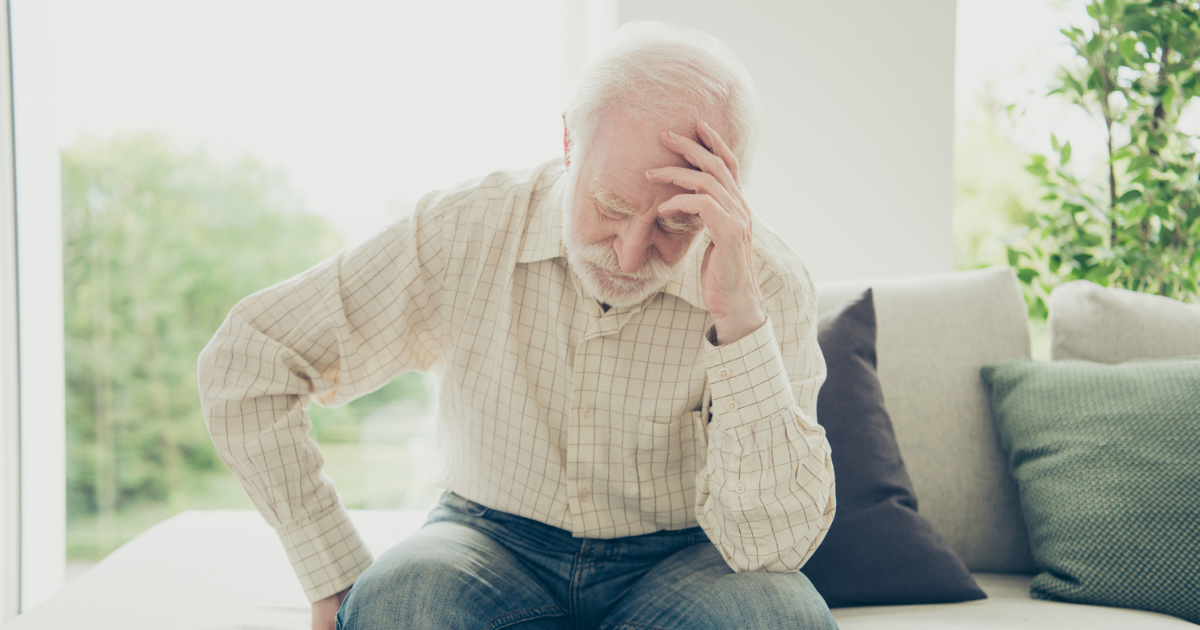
point(599, 269)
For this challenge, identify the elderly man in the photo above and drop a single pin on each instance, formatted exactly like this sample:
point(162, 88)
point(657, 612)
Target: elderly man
point(629, 379)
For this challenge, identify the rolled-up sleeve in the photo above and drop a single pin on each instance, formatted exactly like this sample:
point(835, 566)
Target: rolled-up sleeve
point(765, 496)
point(335, 332)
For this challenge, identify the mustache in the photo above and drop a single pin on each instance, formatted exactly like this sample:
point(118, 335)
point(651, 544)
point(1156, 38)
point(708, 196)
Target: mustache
point(605, 257)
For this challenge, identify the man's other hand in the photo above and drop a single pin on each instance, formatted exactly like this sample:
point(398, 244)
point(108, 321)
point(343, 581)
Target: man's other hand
point(324, 611)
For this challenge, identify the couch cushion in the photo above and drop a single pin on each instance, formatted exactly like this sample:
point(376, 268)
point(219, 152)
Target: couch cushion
point(1111, 325)
point(934, 334)
point(1107, 458)
point(878, 550)
point(1008, 606)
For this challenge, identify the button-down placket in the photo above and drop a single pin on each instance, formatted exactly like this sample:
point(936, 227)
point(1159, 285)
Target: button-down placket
point(587, 419)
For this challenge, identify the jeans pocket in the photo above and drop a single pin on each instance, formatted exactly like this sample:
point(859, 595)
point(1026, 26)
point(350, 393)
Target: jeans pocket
point(460, 504)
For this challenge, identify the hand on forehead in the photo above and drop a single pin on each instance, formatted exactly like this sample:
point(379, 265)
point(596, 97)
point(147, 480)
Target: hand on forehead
point(625, 147)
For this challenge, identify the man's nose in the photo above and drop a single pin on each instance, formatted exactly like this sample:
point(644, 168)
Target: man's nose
point(634, 245)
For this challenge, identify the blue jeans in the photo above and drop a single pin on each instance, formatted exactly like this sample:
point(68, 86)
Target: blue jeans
point(472, 567)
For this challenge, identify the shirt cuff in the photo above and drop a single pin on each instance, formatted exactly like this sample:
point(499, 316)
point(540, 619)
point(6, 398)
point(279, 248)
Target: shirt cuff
point(747, 378)
point(327, 554)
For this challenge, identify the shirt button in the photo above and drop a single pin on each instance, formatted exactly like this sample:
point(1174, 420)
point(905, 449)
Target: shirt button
point(587, 411)
point(739, 488)
point(585, 494)
point(723, 372)
point(731, 406)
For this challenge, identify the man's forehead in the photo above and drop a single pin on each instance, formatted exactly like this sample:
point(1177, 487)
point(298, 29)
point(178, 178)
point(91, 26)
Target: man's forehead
point(625, 147)
point(638, 153)
point(638, 138)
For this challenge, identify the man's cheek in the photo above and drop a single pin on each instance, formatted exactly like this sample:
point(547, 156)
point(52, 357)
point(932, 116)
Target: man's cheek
point(681, 245)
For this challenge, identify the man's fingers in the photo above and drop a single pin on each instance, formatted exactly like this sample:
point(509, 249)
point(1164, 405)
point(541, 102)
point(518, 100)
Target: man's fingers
point(717, 197)
point(695, 181)
point(717, 145)
point(723, 227)
point(700, 157)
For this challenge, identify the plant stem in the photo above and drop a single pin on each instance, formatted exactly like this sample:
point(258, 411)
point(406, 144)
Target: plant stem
point(1159, 111)
point(1112, 176)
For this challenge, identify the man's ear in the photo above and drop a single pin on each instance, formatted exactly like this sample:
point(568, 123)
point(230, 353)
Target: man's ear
point(566, 142)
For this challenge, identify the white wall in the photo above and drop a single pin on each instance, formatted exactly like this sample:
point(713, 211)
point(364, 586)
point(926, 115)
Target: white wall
point(854, 166)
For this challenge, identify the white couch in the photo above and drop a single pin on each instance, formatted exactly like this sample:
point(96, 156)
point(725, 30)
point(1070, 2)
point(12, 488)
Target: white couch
point(934, 334)
point(225, 569)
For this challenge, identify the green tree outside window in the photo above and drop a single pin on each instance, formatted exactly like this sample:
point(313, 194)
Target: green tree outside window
point(1138, 225)
point(159, 244)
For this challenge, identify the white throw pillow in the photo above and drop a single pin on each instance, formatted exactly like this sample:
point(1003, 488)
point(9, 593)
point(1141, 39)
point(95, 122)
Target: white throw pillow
point(1109, 325)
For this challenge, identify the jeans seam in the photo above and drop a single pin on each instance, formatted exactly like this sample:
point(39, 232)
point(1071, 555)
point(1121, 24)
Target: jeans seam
point(469, 507)
point(512, 540)
point(521, 616)
point(507, 541)
point(521, 545)
point(623, 625)
point(572, 592)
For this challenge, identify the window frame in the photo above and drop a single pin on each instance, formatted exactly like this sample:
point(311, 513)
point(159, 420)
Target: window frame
point(10, 434)
point(36, 568)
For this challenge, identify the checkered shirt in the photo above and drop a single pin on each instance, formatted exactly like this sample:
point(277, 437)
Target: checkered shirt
point(603, 423)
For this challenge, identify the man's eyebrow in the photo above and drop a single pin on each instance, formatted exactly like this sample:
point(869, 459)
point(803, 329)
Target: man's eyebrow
point(678, 224)
point(682, 223)
point(611, 201)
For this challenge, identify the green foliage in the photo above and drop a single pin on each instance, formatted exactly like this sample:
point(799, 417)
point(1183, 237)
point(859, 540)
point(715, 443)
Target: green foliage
point(992, 192)
point(1138, 225)
point(159, 244)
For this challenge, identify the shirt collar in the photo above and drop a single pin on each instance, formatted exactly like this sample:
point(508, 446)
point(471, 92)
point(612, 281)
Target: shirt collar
point(543, 234)
point(543, 237)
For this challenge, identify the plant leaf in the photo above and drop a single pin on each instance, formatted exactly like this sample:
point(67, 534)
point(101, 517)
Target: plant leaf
point(1140, 162)
point(1130, 195)
point(1129, 51)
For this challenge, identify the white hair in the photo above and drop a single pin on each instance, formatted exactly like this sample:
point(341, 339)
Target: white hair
point(658, 73)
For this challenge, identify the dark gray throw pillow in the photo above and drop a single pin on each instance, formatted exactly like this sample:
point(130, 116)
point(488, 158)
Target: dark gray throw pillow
point(878, 551)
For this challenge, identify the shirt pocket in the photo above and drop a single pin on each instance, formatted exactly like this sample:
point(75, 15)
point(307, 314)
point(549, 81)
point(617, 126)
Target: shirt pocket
point(669, 456)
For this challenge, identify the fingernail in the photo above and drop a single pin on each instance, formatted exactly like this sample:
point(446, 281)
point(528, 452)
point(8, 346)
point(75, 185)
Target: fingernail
point(674, 136)
point(651, 172)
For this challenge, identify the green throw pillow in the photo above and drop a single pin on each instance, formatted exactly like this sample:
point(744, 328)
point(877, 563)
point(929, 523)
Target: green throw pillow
point(1107, 459)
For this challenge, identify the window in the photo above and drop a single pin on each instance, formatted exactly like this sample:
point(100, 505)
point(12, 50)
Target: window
point(175, 157)
point(1006, 55)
